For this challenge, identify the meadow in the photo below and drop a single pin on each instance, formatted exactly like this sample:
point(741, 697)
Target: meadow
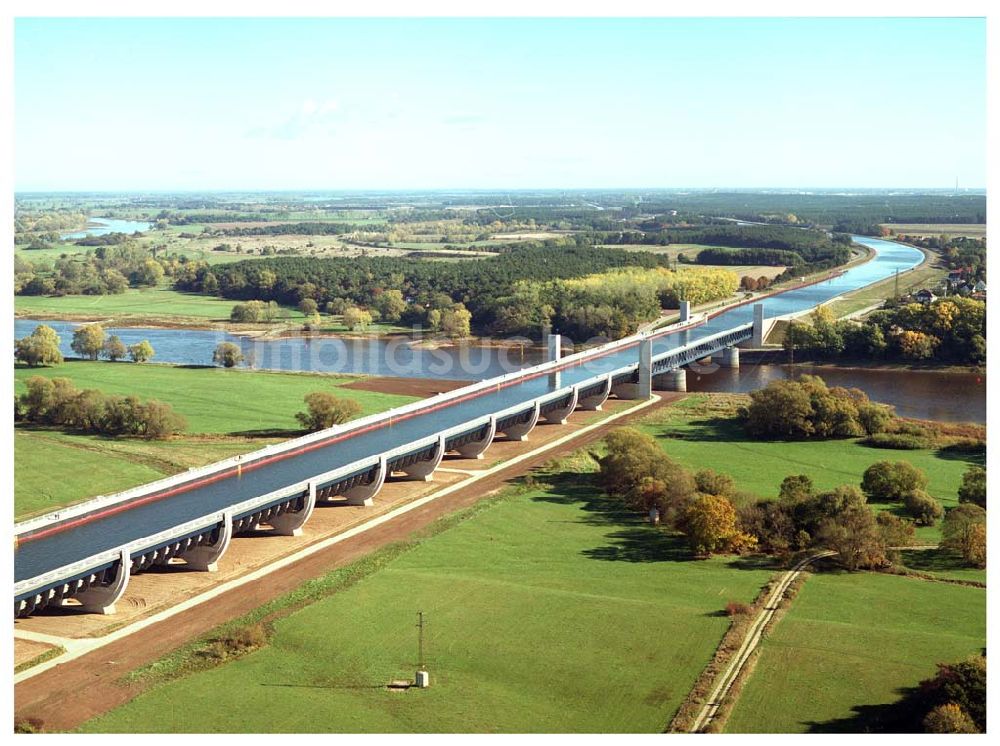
point(586, 619)
point(227, 412)
point(849, 644)
point(701, 433)
point(548, 610)
point(159, 304)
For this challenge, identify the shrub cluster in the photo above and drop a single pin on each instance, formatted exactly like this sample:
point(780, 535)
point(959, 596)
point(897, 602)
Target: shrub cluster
point(806, 408)
point(58, 402)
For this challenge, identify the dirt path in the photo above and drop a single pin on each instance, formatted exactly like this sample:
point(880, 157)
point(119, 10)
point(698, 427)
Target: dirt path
point(67, 695)
point(749, 644)
point(423, 387)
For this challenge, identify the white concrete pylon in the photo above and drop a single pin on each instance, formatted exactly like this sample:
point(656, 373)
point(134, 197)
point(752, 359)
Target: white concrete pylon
point(520, 430)
point(594, 402)
point(477, 448)
point(364, 494)
point(559, 416)
point(290, 523)
point(206, 557)
point(423, 471)
point(101, 599)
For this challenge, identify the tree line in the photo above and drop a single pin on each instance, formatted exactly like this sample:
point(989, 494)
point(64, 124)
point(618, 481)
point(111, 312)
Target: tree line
point(424, 286)
point(947, 330)
point(57, 402)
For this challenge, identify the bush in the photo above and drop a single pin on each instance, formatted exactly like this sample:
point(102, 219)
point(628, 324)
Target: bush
point(59, 402)
point(896, 441)
point(737, 608)
point(895, 531)
point(637, 470)
point(887, 481)
point(949, 718)
point(856, 538)
point(326, 410)
point(712, 483)
point(923, 508)
point(227, 355)
point(29, 725)
point(964, 531)
point(973, 489)
point(806, 408)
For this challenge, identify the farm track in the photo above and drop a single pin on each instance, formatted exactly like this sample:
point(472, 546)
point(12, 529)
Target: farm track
point(753, 637)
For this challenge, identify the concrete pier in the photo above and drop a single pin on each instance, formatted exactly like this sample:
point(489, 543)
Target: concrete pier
point(101, 599)
point(423, 471)
point(290, 523)
point(553, 349)
point(594, 402)
point(477, 448)
point(758, 325)
point(731, 357)
point(205, 557)
point(644, 388)
point(685, 310)
point(364, 494)
point(673, 380)
point(520, 431)
point(559, 416)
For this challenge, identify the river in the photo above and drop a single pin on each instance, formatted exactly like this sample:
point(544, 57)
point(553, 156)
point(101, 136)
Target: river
point(926, 394)
point(104, 226)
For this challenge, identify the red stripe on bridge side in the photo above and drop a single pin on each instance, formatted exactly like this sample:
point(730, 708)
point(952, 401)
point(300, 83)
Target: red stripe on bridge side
point(188, 486)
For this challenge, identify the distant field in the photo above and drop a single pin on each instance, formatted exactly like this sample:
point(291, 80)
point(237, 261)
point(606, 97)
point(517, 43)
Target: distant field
point(236, 407)
point(702, 442)
point(974, 230)
point(849, 643)
point(161, 303)
point(547, 612)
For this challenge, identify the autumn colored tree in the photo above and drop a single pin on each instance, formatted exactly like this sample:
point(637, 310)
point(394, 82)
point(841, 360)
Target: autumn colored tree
point(964, 530)
point(227, 355)
point(114, 349)
point(141, 352)
point(357, 319)
point(709, 522)
point(41, 347)
point(949, 718)
point(88, 341)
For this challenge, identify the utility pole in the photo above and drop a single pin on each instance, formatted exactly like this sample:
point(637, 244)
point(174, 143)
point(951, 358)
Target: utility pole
point(895, 292)
point(423, 679)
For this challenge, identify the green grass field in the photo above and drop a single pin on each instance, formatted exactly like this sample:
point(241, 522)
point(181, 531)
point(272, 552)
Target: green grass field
point(215, 400)
point(547, 611)
point(241, 410)
point(158, 303)
point(848, 644)
point(697, 436)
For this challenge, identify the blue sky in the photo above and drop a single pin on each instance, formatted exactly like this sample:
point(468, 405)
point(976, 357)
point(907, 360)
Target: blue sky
point(166, 104)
